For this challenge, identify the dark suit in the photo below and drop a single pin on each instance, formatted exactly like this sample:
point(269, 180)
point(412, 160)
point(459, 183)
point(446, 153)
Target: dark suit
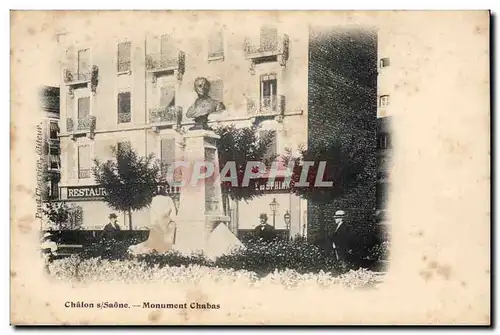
point(266, 232)
point(343, 238)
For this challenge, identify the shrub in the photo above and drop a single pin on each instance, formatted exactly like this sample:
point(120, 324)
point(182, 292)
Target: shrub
point(259, 257)
point(135, 271)
point(110, 248)
point(265, 257)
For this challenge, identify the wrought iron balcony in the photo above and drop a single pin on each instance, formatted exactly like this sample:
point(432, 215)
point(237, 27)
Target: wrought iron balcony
point(165, 115)
point(86, 124)
point(83, 173)
point(271, 105)
point(272, 47)
point(124, 117)
point(160, 62)
point(77, 78)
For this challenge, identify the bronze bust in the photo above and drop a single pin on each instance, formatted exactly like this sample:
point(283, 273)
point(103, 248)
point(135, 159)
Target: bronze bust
point(203, 106)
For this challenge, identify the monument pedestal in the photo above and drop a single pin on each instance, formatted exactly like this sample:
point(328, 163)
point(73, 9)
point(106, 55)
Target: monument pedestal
point(200, 207)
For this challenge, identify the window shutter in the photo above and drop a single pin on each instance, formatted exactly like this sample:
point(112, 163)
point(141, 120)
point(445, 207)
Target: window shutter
point(268, 37)
point(83, 107)
point(71, 59)
point(166, 47)
point(83, 60)
point(124, 50)
point(217, 89)
point(216, 44)
point(167, 151)
point(167, 96)
point(84, 162)
point(124, 103)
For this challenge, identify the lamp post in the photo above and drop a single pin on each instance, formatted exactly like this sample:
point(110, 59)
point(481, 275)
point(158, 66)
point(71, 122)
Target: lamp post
point(274, 208)
point(287, 218)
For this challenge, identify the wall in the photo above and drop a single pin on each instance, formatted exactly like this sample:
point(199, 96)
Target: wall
point(342, 108)
point(233, 70)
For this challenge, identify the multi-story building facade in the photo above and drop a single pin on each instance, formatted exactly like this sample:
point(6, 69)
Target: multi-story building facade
point(387, 83)
point(135, 90)
point(49, 107)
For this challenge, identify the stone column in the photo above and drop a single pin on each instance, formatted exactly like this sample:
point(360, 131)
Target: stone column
point(200, 207)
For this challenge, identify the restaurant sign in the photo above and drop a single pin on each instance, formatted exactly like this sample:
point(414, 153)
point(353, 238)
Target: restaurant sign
point(78, 192)
point(96, 192)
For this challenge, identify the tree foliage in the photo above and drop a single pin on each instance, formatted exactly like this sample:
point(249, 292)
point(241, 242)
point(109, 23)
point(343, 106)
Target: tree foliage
point(241, 145)
point(130, 180)
point(61, 216)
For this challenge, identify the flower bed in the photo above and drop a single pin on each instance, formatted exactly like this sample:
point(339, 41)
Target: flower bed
point(135, 271)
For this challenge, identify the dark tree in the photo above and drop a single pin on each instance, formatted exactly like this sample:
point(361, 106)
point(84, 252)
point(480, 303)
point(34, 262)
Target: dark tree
point(241, 145)
point(344, 169)
point(130, 180)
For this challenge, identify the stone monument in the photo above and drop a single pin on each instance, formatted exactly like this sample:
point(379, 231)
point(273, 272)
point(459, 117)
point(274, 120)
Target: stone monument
point(200, 208)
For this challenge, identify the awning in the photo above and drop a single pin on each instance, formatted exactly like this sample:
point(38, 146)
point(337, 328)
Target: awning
point(54, 127)
point(55, 159)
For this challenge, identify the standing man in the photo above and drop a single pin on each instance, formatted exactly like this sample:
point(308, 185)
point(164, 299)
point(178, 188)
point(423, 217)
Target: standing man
point(112, 225)
point(48, 248)
point(342, 237)
point(263, 230)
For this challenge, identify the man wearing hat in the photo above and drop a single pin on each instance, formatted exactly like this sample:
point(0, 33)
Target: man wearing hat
point(48, 248)
point(264, 230)
point(342, 236)
point(112, 225)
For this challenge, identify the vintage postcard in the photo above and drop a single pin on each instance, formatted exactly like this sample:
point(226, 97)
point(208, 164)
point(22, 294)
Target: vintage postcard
point(250, 168)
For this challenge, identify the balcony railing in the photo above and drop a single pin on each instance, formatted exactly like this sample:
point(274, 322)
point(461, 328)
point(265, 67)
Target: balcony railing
point(270, 105)
point(216, 54)
point(271, 47)
point(124, 117)
point(84, 124)
point(54, 142)
point(83, 173)
point(166, 115)
point(73, 78)
point(164, 62)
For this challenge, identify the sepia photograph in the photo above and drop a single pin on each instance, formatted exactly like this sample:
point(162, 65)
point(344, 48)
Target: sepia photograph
point(235, 167)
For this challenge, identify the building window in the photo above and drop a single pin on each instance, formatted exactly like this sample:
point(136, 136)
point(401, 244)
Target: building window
point(383, 141)
point(167, 51)
point(384, 101)
point(272, 149)
point(83, 60)
point(124, 56)
point(124, 146)
point(54, 190)
point(84, 162)
point(55, 161)
point(167, 155)
point(167, 96)
point(217, 89)
point(124, 110)
point(216, 45)
point(385, 62)
point(268, 92)
point(83, 108)
point(53, 130)
point(268, 38)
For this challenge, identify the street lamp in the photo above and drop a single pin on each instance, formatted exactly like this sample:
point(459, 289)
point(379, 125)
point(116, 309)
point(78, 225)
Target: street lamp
point(287, 218)
point(274, 208)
